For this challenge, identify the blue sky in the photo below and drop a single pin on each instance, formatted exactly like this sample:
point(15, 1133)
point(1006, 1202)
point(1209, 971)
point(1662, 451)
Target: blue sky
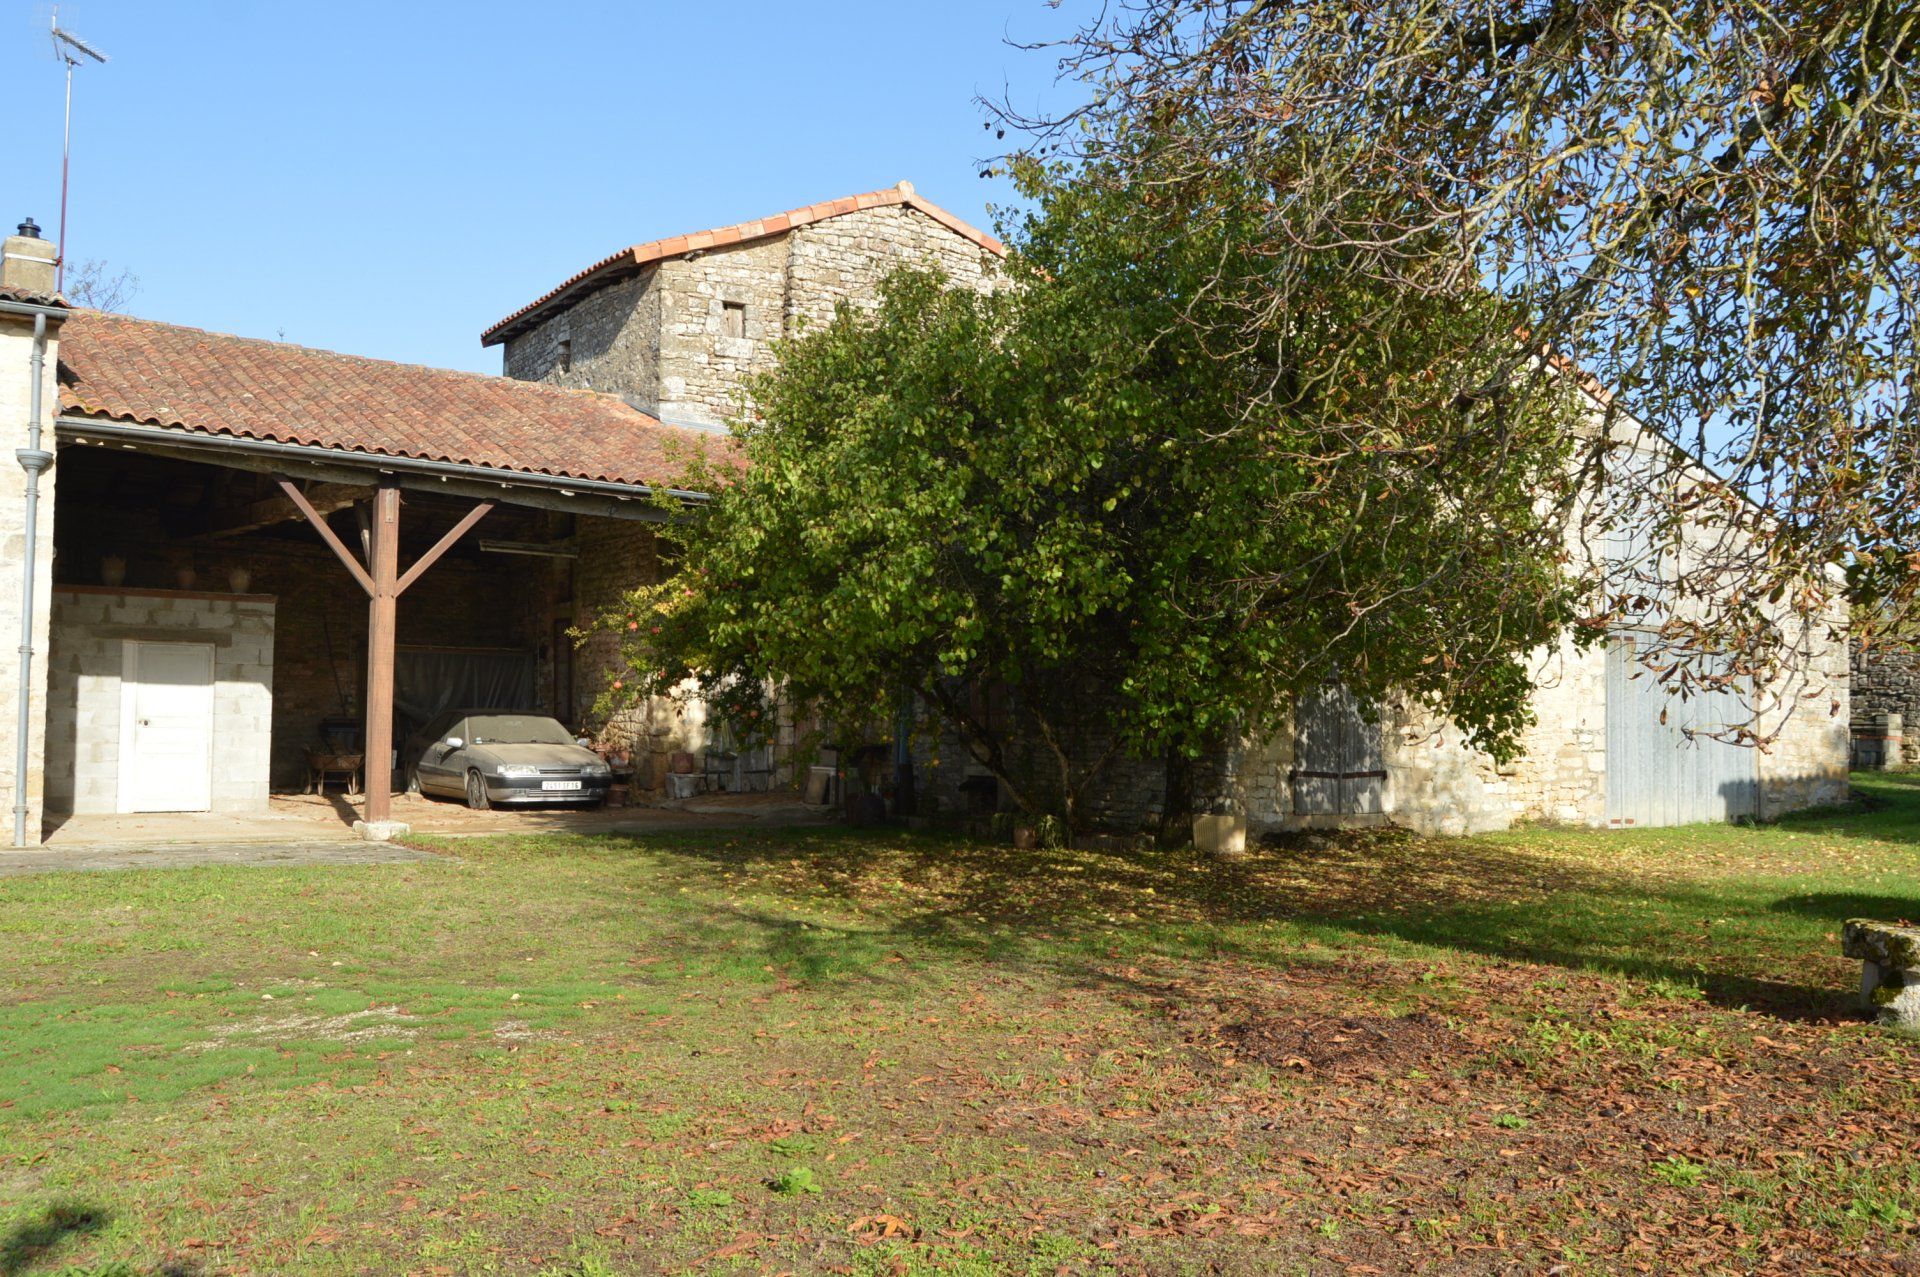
point(389, 179)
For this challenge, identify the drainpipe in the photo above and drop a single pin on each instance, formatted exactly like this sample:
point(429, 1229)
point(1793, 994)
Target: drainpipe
point(34, 460)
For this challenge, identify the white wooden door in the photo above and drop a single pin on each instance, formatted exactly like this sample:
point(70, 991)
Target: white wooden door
point(166, 727)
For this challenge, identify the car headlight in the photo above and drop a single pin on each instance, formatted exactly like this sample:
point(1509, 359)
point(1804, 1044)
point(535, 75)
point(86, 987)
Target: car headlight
point(518, 769)
point(596, 769)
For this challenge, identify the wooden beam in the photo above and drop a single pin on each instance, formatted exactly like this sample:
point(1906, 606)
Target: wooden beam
point(380, 628)
point(323, 499)
point(444, 544)
point(319, 523)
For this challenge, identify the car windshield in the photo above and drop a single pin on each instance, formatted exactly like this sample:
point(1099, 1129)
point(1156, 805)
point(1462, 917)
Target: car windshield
point(516, 729)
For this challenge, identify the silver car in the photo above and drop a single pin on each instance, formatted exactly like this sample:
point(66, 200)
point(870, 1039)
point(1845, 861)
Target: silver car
point(498, 757)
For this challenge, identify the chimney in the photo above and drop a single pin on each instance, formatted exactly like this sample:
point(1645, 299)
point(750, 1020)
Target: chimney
point(27, 262)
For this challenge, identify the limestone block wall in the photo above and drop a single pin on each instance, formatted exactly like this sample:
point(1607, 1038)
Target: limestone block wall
point(16, 383)
point(90, 626)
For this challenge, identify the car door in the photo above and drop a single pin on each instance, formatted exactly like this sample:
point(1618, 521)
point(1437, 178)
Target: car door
point(440, 768)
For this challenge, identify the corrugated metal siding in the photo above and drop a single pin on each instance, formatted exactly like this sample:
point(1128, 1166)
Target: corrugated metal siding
point(1665, 773)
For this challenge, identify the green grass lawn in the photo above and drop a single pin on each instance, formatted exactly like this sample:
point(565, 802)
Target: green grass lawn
point(880, 1053)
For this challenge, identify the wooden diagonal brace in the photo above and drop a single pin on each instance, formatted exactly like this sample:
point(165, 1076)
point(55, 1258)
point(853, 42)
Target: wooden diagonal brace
point(319, 523)
point(441, 546)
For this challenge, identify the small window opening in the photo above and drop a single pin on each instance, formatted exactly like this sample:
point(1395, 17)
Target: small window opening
point(733, 318)
point(566, 354)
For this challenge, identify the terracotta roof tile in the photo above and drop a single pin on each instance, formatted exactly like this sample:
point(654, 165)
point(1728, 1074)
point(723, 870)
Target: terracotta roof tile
point(134, 370)
point(14, 293)
point(630, 259)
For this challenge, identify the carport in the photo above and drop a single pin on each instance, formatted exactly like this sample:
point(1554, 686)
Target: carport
point(226, 506)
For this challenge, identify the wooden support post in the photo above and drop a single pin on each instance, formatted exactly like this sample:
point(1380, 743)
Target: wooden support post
point(385, 565)
point(383, 583)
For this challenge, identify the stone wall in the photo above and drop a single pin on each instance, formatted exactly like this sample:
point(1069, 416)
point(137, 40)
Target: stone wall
point(1808, 715)
point(1886, 680)
point(608, 340)
point(682, 337)
point(845, 258)
point(16, 345)
point(1126, 795)
point(703, 367)
point(616, 557)
point(90, 629)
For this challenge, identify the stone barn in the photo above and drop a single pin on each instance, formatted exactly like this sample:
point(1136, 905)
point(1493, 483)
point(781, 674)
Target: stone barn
point(676, 325)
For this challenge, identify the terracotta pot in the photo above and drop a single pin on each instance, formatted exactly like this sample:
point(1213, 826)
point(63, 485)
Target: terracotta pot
point(113, 571)
point(240, 579)
point(186, 578)
point(1025, 837)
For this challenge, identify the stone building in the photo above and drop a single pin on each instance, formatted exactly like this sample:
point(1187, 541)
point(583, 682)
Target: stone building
point(192, 609)
point(678, 325)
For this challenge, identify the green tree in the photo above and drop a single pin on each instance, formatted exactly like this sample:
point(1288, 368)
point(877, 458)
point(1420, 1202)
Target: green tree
point(1055, 489)
point(1711, 206)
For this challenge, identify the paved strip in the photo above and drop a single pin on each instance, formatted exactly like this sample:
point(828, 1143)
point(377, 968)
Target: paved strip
point(188, 855)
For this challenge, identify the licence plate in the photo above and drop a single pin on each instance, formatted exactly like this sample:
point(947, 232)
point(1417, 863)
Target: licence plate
point(559, 784)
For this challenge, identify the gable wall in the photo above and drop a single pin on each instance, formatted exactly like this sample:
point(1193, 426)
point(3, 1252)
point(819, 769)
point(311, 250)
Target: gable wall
point(615, 342)
point(661, 337)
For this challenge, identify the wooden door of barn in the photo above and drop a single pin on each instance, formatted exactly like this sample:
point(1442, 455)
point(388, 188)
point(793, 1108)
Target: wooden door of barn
point(1337, 763)
point(1665, 766)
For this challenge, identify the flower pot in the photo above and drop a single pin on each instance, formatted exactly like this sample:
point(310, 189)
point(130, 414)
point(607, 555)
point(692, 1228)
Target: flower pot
point(240, 580)
point(113, 571)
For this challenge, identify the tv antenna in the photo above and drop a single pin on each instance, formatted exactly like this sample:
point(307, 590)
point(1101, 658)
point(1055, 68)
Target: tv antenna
point(70, 49)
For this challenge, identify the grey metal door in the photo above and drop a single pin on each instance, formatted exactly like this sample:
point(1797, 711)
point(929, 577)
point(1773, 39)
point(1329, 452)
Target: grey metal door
point(1337, 767)
point(1671, 772)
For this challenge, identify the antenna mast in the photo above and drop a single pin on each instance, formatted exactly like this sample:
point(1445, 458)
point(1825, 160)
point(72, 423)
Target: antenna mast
point(69, 48)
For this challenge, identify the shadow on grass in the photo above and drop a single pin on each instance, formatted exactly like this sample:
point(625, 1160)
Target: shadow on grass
point(34, 1242)
point(1076, 912)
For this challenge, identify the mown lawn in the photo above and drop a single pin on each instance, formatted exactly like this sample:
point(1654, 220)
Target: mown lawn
point(875, 1054)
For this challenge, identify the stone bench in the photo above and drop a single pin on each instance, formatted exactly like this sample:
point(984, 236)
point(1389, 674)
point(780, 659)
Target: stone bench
point(1890, 969)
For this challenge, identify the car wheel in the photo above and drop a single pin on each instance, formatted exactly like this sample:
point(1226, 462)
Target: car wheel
point(476, 792)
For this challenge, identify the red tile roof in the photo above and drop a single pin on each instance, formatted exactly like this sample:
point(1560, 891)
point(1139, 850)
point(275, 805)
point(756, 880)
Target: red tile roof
point(628, 260)
point(133, 370)
point(15, 293)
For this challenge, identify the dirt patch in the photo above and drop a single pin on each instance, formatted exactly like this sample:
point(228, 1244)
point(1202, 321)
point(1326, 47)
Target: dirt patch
point(355, 1026)
point(1373, 1046)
